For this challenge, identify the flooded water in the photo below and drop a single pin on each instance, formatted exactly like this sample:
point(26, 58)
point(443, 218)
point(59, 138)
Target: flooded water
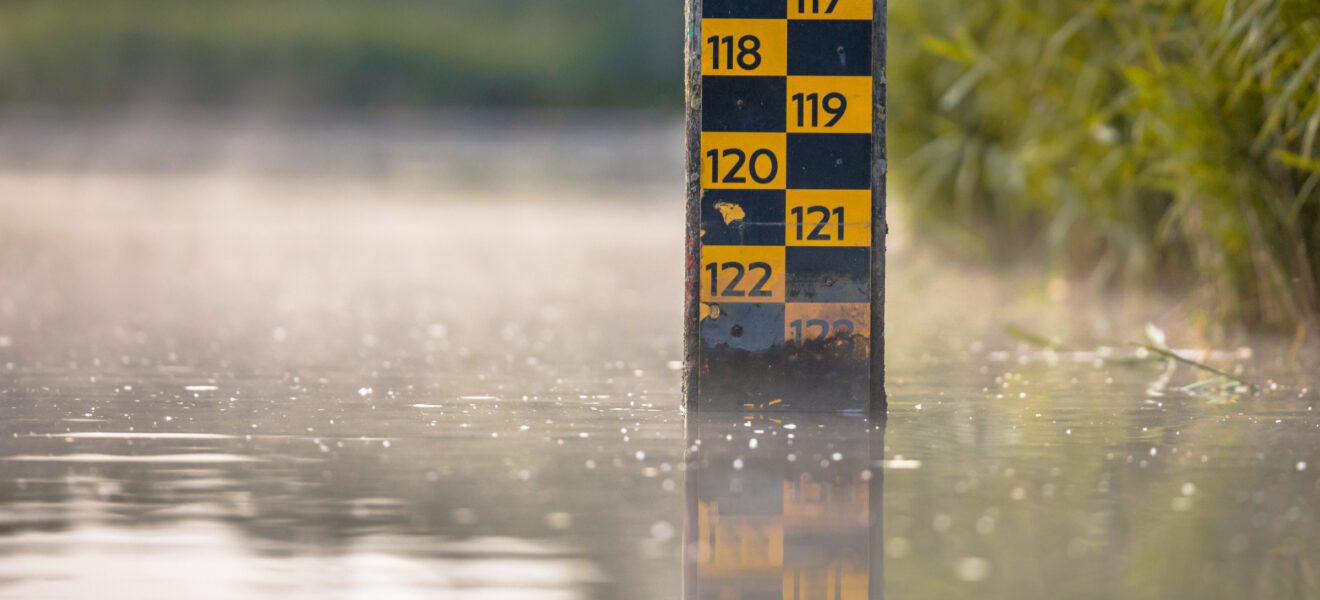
point(228, 381)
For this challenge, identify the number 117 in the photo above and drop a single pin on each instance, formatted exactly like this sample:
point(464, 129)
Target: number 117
point(815, 6)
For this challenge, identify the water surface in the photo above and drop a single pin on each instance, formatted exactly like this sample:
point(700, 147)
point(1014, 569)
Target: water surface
point(227, 383)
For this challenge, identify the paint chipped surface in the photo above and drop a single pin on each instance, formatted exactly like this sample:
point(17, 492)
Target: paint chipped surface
point(730, 212)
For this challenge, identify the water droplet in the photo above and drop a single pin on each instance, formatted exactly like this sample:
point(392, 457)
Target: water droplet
point(559, 520)
point(662, 530)
point(464, 516)
point(897, 547)
point(972, 568)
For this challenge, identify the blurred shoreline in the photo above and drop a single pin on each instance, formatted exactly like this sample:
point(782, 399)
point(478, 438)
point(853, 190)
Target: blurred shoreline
point(459, 149)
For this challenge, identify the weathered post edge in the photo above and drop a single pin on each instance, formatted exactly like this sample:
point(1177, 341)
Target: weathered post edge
point(692, 238)
point(692, 231)
point(879, 202)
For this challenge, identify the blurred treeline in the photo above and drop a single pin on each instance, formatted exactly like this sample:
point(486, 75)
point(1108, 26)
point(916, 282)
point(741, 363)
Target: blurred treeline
point(1133, 141)
point(483, 53)
point(1146, 141)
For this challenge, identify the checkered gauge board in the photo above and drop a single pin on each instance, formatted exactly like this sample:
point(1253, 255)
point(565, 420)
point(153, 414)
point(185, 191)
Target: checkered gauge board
point(786, 203)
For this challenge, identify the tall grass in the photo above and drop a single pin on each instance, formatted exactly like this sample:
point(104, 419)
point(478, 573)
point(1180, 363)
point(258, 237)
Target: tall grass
point(1169, 141)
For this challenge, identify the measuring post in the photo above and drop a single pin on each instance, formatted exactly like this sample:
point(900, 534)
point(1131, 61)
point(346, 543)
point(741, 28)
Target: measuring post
point(785, 205)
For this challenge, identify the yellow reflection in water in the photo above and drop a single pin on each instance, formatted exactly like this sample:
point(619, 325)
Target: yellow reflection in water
point(784, 507)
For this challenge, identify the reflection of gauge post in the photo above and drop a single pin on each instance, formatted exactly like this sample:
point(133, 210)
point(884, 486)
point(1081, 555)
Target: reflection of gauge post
point(785, 205)
point(784, 508)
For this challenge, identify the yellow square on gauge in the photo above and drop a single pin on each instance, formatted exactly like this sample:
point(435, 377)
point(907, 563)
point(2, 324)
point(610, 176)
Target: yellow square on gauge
point(743, 161)
point(742, 273)
point(850, 10)
point(828, 218)
point(744, 47)
point(829, 104)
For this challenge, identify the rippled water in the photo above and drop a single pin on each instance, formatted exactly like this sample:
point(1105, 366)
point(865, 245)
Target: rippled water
point(230, 386)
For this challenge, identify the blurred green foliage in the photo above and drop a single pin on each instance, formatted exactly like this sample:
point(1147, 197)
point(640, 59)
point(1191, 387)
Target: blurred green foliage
point(341, 52)
point(1137, 140)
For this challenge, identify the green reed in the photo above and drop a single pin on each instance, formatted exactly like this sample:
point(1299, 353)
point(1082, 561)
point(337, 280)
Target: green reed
point(1138, 141)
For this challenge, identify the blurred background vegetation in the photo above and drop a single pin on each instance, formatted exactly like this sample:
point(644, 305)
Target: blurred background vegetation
point(1170, 142)
point(1156, 142)
point(349, 53)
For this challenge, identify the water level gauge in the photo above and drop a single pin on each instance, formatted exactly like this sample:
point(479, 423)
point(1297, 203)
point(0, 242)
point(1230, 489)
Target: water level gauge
point(786, 197)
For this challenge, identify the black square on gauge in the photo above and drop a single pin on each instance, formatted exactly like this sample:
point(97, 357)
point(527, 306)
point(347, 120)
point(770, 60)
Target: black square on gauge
point(833, 161)
point(828, 274)
point(829, 47)
point(741, 357)
point(744, 9)
point(742, 218)
point(743, 103)
point(742, 327)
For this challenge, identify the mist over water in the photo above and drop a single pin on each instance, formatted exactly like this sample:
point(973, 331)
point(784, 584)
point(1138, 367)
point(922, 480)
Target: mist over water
point(406, 357)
